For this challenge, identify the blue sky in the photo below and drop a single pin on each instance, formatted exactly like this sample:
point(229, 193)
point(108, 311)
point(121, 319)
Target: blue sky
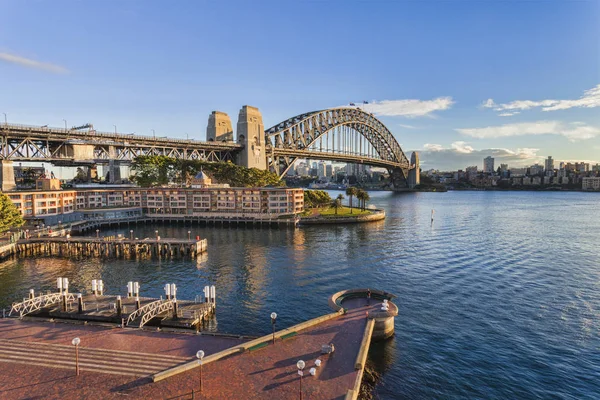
point(428, 68)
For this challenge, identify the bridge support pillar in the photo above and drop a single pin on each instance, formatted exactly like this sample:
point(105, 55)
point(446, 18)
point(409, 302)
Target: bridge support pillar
point(251, 134)
point(7, 176)
point(398, 176)
point(114, 171)
point(92, 173)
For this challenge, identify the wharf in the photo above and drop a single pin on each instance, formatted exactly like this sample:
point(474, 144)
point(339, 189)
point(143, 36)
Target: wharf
point(110, 247)
point(233, 368)
point(132, 311)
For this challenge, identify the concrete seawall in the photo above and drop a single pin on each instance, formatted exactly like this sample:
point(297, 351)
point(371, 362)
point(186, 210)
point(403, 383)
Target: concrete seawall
point(377, 215)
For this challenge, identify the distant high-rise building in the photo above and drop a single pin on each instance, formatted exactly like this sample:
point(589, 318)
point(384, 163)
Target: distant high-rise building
point(503, 167)
point(321, 170)
point(414, 174)
point(329, 170)
point(549, 166)
point(488, 165)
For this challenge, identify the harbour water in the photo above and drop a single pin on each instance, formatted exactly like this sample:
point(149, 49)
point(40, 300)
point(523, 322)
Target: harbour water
point(499, 297)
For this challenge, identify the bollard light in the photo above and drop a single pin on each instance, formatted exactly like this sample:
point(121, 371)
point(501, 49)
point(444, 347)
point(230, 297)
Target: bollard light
point(273, 318)
point(300, 365)
point(189, 235)
point(200, 356)
point(97, 233)
point(318, 362)
point(131, 235)
point(156, 232)
point(75, 342)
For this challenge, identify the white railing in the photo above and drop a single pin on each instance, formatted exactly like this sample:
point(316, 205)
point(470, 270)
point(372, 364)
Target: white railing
point(150, 311)
point(30, 305)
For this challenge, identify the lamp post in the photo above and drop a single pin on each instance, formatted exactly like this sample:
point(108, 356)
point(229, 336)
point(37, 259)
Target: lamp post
point(5, 120)
point(131, 234)
point(300, 364)
point(115, 129)
point(153, 133)
point(200, 356)
point(97, 233)
point(75, 342)
point(273, 318)
point(65, 121)
point(189, 235)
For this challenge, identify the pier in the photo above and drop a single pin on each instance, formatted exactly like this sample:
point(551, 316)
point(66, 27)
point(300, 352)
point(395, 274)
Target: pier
point(119, 247)
point(131, 311)
point(163, 365)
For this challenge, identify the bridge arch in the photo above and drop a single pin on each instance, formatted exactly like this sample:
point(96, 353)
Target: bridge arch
point(350, 134)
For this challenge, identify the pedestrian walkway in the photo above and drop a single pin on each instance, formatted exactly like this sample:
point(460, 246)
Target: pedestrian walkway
point(95, 360)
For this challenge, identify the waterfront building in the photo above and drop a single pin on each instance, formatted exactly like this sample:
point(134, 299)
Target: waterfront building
point(518, 172)
point(488, 165)
point(591, 183)
point(53, 205)
point(536, 170)
point(536, 180)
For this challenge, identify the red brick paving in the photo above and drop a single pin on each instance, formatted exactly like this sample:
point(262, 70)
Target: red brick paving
point(269, 372)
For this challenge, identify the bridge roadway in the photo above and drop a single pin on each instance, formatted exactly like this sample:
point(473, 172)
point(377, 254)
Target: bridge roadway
point(40, 143)
point(36, 360)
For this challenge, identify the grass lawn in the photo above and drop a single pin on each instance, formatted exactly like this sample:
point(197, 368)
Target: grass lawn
point(330, 212)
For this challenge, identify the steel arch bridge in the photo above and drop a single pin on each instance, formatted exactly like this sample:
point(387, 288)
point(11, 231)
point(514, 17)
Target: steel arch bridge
point(337, 134)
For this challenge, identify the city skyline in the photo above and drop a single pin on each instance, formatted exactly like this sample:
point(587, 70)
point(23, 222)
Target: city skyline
point(446, 84)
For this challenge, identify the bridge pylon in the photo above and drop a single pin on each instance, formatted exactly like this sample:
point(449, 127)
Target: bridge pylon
point(251, 135)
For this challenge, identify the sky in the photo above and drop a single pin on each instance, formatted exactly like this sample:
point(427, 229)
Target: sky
point(455, 80)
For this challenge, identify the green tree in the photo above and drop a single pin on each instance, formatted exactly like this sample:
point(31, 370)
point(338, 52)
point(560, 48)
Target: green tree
point(160, 170)
point(316, 198)
point(337, 203)
point(350, 192)
point(10, 217)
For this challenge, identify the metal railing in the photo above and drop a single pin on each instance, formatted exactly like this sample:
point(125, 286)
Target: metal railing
point(150, 311)
point(30, 305)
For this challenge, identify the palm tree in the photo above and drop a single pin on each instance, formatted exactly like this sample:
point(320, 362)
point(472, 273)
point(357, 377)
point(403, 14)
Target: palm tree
point(339, 199)
point(351, 191)
point(363, 197)
point(360, 194)
point(366, 198)
point(337, 203)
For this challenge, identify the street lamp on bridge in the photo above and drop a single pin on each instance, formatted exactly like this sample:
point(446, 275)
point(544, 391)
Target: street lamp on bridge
point(153, 133)
point(65, 121)
point(115, 129)
point(5, 120)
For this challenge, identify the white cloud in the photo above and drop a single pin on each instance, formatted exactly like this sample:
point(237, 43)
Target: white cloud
point(460, 155)
point(462, 147)
point(433, 147)
point(26, 62)
point(410, 108)
point(407, 126)
point(489, 103)
point(589, 99)
point(508, 114)
point(572, 131)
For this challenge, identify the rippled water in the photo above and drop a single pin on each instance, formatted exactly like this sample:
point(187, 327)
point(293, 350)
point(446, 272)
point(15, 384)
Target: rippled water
point(499, 297)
